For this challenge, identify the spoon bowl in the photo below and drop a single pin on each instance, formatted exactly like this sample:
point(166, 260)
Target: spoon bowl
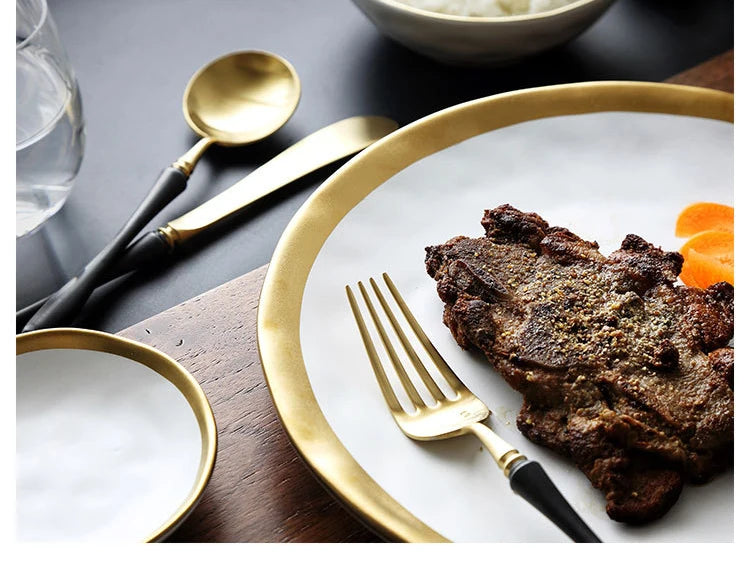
point(241, 98)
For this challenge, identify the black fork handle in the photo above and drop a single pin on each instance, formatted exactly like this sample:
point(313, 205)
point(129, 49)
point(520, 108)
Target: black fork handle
point(529, 480)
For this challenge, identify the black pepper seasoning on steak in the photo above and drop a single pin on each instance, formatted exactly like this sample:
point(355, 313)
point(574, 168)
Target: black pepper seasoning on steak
point(621, 371)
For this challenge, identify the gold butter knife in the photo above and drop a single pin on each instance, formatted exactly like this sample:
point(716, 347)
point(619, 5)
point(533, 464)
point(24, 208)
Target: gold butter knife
point(321, 148)
point(327, 145)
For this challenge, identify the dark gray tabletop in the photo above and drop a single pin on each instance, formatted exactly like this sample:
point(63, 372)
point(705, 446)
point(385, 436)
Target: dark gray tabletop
point(134, 58)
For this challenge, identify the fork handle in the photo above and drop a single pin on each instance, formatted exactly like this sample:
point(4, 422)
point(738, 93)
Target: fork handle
point(529, 480)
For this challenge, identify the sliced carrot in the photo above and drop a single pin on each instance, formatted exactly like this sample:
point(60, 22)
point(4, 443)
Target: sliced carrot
point(702, 216)
point(702, 270)
point(687, 276)
point(719, 245)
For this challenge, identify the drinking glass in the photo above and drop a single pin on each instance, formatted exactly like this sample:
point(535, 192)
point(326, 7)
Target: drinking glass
point(49, 118)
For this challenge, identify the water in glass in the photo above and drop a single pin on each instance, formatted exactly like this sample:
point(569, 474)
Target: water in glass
point(49, 128)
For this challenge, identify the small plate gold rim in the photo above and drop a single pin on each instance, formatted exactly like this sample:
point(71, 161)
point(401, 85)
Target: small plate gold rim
point(168, 368)
point(283, 289)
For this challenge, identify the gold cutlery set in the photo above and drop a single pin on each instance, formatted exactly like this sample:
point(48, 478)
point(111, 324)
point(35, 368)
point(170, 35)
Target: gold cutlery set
point(235, 100)
point(321, 148)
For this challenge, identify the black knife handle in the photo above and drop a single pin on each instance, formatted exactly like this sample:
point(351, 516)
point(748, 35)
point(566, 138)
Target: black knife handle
point(62, 306)
point(148, 249)
point(23, 315)
point(529, 480)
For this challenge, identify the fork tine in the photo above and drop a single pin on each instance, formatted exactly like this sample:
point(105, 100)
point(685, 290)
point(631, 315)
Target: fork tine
point(438, 360)
point(434, 390)
point(385, 387)
point(403, 377)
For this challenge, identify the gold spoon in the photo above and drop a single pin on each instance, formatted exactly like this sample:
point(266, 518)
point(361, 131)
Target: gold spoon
point(237, 99)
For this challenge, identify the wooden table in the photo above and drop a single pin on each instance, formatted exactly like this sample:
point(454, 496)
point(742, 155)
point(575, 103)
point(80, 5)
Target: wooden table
point(261, 490)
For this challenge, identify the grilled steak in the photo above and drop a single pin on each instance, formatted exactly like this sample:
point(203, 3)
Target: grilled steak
point(621, 371)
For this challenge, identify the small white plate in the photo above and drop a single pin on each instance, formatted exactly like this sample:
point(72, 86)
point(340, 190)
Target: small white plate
point(115, 441)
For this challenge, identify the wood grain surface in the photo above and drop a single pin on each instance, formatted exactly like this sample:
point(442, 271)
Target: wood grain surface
point(716, 73)
point(261, 490)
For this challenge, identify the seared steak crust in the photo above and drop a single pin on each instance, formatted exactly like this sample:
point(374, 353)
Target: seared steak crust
point(621, 371)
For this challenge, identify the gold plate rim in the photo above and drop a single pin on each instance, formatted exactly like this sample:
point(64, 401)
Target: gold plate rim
point(281, 296)
point(164, 365)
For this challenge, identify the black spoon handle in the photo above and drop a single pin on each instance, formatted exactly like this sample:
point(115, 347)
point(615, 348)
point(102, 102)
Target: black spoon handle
point(146, 250)
point(529, 480)
point(62, 306)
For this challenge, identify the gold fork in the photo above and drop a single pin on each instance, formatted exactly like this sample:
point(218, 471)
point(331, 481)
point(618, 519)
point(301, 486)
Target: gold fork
point(446, 417)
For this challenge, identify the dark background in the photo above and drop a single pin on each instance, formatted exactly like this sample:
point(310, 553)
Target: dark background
point(133, 59)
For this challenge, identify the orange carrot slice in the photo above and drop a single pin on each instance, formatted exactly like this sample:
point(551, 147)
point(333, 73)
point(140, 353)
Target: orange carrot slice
point(687, 276)
point(702, 216)
point(719, 245)
point(702, 270)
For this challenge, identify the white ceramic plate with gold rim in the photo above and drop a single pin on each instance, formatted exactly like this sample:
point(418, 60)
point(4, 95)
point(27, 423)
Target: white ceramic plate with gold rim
point(115, 441)
point(603, 159)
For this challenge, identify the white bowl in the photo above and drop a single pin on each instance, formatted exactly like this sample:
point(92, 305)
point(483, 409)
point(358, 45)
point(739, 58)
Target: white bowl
point(115, 441)
point(467, 40)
